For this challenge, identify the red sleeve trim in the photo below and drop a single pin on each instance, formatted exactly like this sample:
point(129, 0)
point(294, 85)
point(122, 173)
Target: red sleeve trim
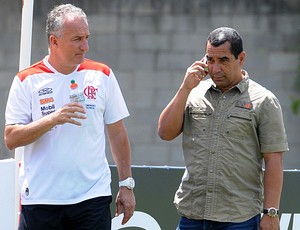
point(93, 65)
point(36, 68)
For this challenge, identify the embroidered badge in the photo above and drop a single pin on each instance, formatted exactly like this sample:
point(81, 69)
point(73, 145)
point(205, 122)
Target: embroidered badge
point(244, 104)
point(90, 92)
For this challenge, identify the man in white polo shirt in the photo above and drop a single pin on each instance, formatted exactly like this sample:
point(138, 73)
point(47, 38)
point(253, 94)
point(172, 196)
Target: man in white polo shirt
point(65, 178)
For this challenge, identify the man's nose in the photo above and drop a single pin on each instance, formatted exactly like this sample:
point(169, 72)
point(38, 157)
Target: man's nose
point(215, 68)
point(85, 45)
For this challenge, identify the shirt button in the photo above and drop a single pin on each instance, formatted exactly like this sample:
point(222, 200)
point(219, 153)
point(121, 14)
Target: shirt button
point(211, 171)
point(210, 190)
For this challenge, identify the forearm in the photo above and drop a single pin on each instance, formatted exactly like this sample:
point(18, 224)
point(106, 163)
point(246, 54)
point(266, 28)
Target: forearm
point(273, 180)
point(23, 134)
point(120, 149)
point(171, 119)
point(20, 135)
point(123, 158)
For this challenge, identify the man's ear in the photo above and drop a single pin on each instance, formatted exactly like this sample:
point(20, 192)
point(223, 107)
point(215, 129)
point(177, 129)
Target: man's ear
point(53, 41)
point(242, 58)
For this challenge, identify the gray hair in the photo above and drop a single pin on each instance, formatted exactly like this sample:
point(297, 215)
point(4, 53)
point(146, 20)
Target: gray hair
point(57, 17)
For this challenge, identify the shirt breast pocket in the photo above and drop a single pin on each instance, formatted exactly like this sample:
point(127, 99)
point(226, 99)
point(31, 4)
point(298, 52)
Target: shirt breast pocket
point(239, 123)
point(200, 120)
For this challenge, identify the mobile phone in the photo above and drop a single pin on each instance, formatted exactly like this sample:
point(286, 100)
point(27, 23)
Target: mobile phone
point(204, 60)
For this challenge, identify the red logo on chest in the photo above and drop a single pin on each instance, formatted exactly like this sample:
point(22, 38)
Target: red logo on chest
point(90, 92)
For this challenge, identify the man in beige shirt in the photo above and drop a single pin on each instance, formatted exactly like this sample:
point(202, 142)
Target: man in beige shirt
point(230, 126)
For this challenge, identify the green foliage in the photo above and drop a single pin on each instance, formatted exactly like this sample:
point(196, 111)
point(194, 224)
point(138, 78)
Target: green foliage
point(295, 106)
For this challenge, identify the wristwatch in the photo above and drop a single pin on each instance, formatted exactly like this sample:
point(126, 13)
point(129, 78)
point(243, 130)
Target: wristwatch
point(271, 212)
point(129, 183)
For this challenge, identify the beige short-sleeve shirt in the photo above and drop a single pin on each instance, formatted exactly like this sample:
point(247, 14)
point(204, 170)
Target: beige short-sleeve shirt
point(224, 136)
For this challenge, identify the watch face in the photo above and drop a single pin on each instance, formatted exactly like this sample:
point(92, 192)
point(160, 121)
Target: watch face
point(272, 212)
point(131, 183)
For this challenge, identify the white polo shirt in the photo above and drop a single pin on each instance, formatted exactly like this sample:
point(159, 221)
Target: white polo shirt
point(66, 165)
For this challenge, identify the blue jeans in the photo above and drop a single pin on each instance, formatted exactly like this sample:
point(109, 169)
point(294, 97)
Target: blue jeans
point(190, 224)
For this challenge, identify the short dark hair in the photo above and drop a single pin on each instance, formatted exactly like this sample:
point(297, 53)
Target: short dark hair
point(225, 34)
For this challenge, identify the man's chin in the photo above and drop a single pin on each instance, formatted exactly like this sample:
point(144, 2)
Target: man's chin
point(218, 81)
point(79, 59)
